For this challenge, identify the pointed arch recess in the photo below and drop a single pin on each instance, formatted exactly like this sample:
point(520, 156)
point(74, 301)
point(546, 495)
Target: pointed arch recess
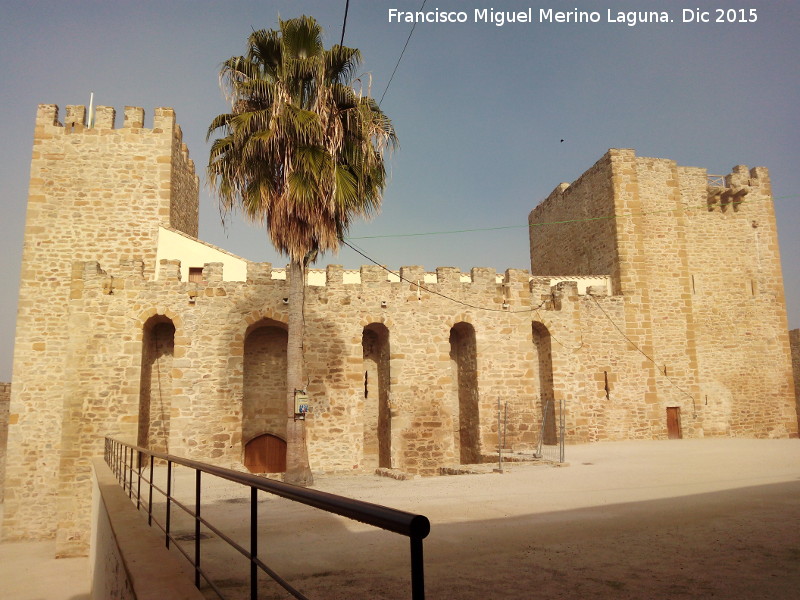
point(544, 368)
point(155, 384)
point(377, 411)
point(466, 415)
point(264, 390)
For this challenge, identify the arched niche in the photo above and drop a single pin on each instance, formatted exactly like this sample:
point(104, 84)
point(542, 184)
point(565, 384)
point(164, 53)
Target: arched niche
point(377, 411)
point(544, 367)
point(466, 420)
point(264, 381)
point(155, 387)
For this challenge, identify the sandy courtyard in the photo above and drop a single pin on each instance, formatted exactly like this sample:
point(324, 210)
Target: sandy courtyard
point(671, 519)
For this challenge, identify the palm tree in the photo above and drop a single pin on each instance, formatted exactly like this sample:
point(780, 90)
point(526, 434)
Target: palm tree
point(301, 152)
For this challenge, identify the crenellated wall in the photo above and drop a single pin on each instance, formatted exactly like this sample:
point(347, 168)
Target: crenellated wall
point(591, 368)
point(674, 306)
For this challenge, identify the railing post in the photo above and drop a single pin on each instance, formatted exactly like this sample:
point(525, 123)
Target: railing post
point(130, 476)
point(253, 543)
point(417, 570)
point(169, 498)
point(150, 495)
point(138, 479)
point(562, 427)
point(197, 528)
point(124, 467)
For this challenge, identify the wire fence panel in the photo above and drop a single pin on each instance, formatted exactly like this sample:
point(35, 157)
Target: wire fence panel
point(551, 434)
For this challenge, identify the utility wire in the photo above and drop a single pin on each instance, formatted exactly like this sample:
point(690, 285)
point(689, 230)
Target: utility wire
point(401, 55)
point(344, 22)
point(423, 288)
point(532, 225)
point(647, 356)
point(430, 291)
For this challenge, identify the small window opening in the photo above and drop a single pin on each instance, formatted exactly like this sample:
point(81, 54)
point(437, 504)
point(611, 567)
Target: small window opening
point(606, 386)
point(196, 274)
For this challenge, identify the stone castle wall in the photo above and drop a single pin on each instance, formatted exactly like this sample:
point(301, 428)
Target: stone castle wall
point(399, 375)
point(794, 336)
point(581, 211)
point(5, 401)
point(218, 333)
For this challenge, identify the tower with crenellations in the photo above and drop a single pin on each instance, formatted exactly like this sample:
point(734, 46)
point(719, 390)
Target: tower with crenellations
point(695, 258)
point(96, 193)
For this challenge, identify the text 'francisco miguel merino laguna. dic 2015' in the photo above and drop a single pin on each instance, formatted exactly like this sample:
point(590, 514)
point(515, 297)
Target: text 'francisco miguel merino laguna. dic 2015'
point(548, 15)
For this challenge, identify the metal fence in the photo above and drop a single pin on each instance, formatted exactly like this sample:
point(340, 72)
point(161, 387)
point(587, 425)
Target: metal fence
point(551, 434)
point(133, 467)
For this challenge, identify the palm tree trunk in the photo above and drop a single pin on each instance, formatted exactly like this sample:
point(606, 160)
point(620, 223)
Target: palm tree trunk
point(298, 471)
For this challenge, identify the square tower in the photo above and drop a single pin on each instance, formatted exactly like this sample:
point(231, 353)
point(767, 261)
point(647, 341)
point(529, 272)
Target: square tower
point(695, 258)
point(96, 193)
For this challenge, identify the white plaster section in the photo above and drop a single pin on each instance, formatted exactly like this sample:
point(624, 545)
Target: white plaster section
point(174, 245)
point(585, 282)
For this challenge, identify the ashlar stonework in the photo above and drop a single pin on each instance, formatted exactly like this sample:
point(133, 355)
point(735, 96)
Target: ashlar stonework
point(666, 321)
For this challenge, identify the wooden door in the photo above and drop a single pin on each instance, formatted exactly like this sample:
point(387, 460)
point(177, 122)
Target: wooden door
point(265, 454)
point(674, 423)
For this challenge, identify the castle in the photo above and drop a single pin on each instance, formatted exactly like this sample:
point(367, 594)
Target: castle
point(654, 309)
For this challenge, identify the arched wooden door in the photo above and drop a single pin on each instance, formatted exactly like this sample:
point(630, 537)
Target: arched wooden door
point(265, 454)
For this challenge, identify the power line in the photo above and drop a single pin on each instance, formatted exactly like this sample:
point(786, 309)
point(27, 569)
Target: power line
point(532, 225)
point(344, 22)
point(430, 291)
point(401, 55)
point(534, 309)
point(643, 353)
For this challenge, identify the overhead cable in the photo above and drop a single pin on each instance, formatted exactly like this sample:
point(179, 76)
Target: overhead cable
point(401, 55)
point(532, 225)
point(434, 292)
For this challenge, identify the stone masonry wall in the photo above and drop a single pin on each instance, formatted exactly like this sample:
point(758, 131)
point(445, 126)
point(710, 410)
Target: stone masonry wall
point(738, 306)
point(5, 400)
point(209, 414)
point(696, 322)
point(96, 193)
point(699, 272)
point(794, 336)
point(582, 211)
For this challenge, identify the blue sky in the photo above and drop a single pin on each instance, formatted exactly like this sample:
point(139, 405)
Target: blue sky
point(480, 110)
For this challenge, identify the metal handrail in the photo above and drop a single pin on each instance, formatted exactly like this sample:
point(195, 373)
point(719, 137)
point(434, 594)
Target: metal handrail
point(125, 459)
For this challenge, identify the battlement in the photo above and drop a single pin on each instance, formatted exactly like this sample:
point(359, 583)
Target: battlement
point(77, 121)
point(368, 276)
point(75, 118)
point(729, 191)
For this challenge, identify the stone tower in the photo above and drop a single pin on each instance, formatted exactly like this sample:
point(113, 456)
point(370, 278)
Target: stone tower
point(96, 193)
point(695, 258)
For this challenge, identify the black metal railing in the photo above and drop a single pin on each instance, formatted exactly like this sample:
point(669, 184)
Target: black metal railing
point(130, 465)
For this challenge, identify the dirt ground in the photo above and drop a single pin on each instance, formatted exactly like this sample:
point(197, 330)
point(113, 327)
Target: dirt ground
point(671, 519)
point(674, 519)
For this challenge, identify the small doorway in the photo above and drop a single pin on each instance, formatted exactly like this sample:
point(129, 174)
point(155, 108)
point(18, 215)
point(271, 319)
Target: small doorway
point(265, 454)
point(674, 423)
